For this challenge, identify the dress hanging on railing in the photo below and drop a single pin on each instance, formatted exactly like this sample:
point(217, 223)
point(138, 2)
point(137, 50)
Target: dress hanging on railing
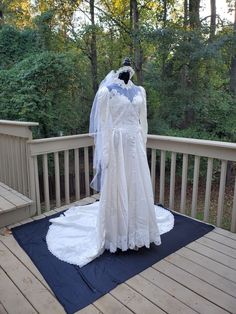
point(125, 217)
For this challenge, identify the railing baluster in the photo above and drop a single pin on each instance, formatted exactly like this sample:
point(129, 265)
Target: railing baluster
point(153, 170)
point(11, 162)
point(23, 166)
point(184, 183)
point(162, 177)
point(2, 160)
point(195, 186)
point(13, 165)
point(172, 180)
point(6, 166)
point(36, 178)
point(57, 179)
point(66, 174)
point(18, 169)
point(8, 150)
point(221, 192)
point(86, 169)
point(94, 170)
point(45, 181)
point(77, 174)
point(208, 189)
point(233, 221)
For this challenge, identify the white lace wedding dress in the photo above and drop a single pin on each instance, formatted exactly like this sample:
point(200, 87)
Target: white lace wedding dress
point(125, 217)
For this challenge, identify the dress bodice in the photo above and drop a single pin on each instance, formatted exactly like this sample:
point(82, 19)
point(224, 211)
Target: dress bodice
point(119, 113)
point(125, 103)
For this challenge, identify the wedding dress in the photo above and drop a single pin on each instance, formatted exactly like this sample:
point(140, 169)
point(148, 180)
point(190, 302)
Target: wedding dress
point(125, 217)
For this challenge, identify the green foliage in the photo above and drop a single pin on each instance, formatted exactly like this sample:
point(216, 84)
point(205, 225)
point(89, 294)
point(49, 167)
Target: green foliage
point(16, 45)
point(188, 82)
point(45, 69)
point(50, 88)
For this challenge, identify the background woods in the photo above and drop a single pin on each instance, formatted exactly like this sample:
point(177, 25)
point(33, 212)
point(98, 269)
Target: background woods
point(53, 54)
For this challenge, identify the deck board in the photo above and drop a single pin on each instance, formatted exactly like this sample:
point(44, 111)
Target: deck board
point(90, 309)
point(213, 254)
point(180, 292)
point(15, 249)
point(197, 285)
point(225, 233)
point(200, 277)
point(2, 309)
point(158, 296)
point(208, 263)
point(134, 300)
point(221, 239)
point(5, 205)
point(11, 199)
point(11, 297)
point(217, 246)
point(203, 273)
point(108, 304)
point(40, 297)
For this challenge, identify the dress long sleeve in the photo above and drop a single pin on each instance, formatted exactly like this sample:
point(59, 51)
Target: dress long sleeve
point(143, 116)
point(103, 102)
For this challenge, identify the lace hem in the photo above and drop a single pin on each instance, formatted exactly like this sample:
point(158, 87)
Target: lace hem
point(133, 241)
point(78, 262)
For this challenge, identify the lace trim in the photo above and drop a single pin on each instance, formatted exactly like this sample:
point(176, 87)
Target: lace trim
point(134, 241)
point(80, 261)
point(126, 69)
point(122, 83)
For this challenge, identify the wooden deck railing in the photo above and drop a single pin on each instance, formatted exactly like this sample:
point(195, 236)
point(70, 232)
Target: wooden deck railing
point(64, 156)
point(14, 161)
point(222, 151)
point(65, 144)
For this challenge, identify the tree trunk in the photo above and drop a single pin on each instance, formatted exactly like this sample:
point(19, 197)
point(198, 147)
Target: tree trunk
point(186, 13)
point(194, 16)
point(164, 13)
point(213, 19)
point(93, 48)
point(131, 48)
point(233, 62)
point(1, 14)
point(138, 54)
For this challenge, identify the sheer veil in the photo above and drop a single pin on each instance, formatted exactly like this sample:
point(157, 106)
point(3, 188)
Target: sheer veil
point(99, 124)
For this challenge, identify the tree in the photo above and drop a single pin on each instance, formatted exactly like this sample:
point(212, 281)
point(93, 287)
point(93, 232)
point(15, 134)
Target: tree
point(194, 15)
point(48, 87)
point(233, 61)
point(186, 14)
point(213, 19)
point(1, 13)
point(16, 12)
point(93, 47)
point(138, 53)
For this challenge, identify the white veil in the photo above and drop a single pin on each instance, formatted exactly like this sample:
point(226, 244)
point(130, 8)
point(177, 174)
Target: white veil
point(97, 130)
point(99, 126)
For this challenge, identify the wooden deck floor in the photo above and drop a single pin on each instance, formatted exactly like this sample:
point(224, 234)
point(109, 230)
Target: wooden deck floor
point(199, 278)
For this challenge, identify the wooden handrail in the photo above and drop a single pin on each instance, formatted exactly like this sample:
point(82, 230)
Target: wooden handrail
point(57, 144)
point(203, 148)
point(223, 151)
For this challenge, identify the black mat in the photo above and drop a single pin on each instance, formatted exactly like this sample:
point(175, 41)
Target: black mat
point(77, 287)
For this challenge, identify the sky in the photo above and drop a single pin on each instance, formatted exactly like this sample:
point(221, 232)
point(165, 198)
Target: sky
point(221, 9)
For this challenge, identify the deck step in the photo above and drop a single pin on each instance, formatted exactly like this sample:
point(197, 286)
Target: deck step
point(14, 206)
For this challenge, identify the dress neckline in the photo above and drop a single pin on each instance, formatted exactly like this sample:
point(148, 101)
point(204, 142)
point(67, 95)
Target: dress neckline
point(122, 83)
